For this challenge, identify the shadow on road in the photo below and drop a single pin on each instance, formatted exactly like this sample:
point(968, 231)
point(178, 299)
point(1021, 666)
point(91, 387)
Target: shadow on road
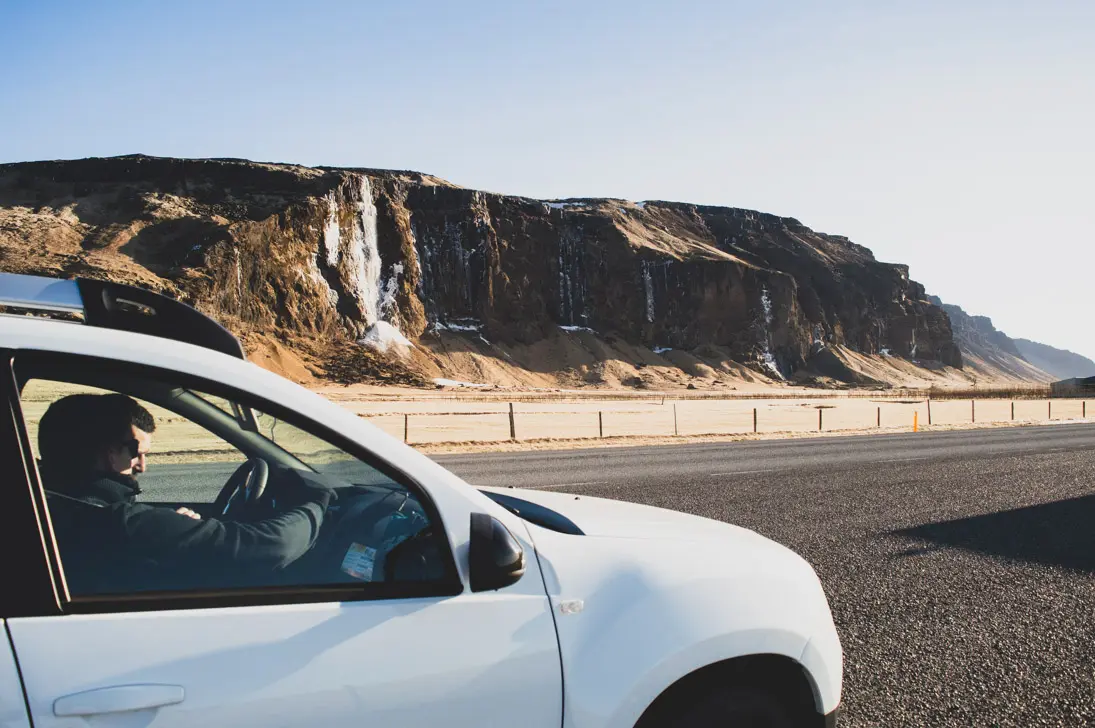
point(1057, 534)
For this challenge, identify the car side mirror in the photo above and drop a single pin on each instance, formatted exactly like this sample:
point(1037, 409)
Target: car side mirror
point(495, 558)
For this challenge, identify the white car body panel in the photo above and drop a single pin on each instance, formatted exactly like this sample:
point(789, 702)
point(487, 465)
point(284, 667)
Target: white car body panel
point(13, 711)
point(661, 593)
point(488, 659)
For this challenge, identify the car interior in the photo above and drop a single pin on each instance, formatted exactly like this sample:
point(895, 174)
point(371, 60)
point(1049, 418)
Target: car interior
point(377, 530)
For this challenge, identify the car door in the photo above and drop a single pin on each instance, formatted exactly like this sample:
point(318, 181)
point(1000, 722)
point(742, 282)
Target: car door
point(13, 709)
point(306, 653)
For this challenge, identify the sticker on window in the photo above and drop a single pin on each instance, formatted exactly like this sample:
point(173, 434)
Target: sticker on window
point(359, 561)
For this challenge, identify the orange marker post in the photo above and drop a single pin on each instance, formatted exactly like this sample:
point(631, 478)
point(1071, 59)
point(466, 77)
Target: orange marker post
point(916, 421)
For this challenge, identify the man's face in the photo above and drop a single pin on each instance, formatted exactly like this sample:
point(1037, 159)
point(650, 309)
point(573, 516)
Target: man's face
point(127, 458)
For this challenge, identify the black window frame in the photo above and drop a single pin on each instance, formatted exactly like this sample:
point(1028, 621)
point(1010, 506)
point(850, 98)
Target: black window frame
point(61, 366)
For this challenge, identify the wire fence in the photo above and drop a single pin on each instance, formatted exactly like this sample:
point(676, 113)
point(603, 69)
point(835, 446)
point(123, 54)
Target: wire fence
point(497, 395)
point(470, 421)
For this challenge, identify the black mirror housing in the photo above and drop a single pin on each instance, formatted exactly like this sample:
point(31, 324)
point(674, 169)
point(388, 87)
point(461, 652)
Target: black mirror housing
point(495, 557)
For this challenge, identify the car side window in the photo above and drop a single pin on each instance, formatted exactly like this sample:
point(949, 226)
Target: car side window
point(155, 487)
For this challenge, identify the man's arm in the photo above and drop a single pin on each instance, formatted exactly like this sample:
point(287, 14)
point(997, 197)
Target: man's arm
point(271, 543)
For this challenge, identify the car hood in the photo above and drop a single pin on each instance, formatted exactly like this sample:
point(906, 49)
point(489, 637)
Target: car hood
point(619, 519)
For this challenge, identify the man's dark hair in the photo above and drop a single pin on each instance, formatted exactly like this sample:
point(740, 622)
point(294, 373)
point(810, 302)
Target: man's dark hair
point(76, 429)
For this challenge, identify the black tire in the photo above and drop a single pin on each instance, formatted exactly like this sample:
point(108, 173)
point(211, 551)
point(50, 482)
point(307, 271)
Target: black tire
point(738, 707)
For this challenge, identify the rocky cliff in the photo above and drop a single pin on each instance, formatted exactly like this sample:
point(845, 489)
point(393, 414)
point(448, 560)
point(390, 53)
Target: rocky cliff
point(402, 260)
point(986, 349)
point(1058, 363)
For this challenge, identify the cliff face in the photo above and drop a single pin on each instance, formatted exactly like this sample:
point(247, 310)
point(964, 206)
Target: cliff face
point(326, 254)
point(985, 348)
point(1058, 363)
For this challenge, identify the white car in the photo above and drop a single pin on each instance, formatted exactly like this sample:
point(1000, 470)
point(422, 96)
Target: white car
point(414, 599)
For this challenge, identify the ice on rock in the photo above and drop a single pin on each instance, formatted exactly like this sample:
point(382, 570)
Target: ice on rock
point(332, 238)
point(387, 303)
point(648, 286)
point(364, 259)
point(767, 357)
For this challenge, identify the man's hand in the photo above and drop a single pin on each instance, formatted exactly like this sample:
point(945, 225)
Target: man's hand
point(188, 512)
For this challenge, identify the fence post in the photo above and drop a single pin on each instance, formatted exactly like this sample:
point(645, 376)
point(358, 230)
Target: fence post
point(973, 410)
point(1013, 410)
point(1084, 411)
point(512, 424)
point(819, 411)
point(1050, 403)
point(929, 410)
point(878, 420)
point(754, 420)
point(675, 419)
point(406, 427)
point(600, 425)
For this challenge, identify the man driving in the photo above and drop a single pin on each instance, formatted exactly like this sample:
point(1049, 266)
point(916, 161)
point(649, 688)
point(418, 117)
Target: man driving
point(92, 449)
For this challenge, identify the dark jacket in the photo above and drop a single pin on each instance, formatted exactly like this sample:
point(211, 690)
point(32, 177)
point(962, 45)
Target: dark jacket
point(110, 543)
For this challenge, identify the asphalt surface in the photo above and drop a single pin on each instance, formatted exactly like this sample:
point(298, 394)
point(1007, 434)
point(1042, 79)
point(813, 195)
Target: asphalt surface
point(960, 566)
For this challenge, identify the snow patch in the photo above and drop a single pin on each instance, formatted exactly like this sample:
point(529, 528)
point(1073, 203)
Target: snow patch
point(640, 205)
point(454, 383)
point(578, 328)
point(770, 362)
point(382, 336)
point(438, 326)
point(885, 352)
point(661, 349)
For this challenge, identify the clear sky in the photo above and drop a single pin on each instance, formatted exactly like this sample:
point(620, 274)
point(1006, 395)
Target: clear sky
point(956, 137)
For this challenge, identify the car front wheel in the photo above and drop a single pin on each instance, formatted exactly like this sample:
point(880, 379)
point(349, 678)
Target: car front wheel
point(739, 707)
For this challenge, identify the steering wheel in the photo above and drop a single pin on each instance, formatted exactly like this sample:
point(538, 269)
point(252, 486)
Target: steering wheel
point(243, 489)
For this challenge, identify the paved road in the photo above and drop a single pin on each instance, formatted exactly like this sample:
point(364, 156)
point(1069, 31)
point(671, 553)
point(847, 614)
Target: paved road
point(661, 464)
point(960, 566)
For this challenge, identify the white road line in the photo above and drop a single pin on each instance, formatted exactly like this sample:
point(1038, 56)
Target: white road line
point(564, 485)
point(741, 472)
point(903, 460)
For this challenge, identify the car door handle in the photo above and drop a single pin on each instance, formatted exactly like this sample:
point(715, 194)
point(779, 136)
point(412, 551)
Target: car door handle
point(118, 699)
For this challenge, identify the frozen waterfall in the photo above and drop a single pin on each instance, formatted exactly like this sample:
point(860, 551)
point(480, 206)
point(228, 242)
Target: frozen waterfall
point(363, 259)
point(357, 260)
point(769, 359)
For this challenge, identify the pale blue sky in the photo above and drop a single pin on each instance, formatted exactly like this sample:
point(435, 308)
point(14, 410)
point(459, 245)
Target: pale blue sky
point(955, 137)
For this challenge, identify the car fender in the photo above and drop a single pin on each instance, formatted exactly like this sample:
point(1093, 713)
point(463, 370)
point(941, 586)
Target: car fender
point(633, 616)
